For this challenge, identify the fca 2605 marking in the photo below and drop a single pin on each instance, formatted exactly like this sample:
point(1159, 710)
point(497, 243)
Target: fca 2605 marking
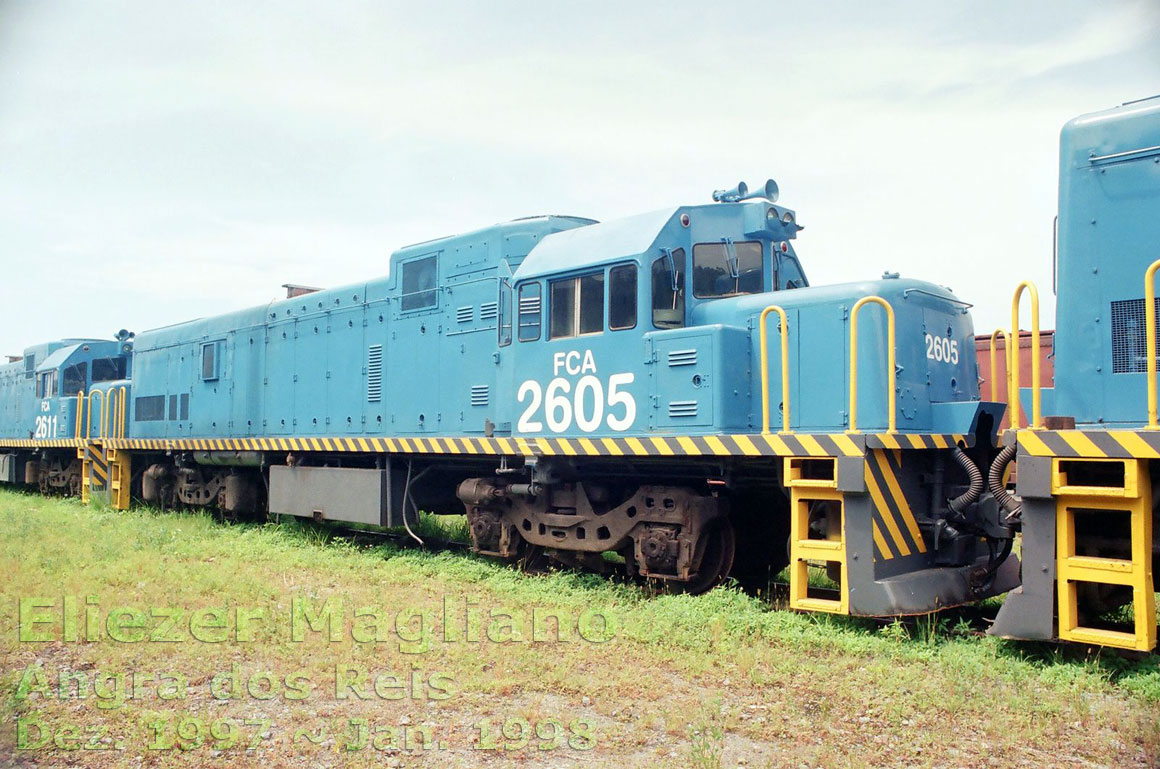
point(590, 402)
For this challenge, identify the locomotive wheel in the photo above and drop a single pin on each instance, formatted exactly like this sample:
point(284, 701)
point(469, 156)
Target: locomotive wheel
point(720, 548)
point(717, 562)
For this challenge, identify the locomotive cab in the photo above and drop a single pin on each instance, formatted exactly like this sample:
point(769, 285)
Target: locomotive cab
point(640, 339)
point(47, 394)
point(592, 300)
point(64, 385)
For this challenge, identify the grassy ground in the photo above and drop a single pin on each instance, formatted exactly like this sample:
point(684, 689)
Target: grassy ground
point(708, 681)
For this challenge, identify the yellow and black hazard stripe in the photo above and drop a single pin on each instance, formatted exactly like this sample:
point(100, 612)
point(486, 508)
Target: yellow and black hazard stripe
point(895, 529)
point(1115, 444)
point(742, 445)
point(917, 440)
point(819, 445)
point(30, 443)
point(98, 464)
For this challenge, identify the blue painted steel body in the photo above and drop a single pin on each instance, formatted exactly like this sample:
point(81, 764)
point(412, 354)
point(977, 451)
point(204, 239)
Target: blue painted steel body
point(345, 361)
point(431, 358)
point(1109, 232)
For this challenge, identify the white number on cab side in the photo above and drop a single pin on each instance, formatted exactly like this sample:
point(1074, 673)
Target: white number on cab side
point(941, 349)
point(588, 403)
point(45, 427)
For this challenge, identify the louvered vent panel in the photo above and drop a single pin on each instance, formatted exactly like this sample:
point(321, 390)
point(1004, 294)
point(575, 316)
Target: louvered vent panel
point(682, 409)
point(465, 314)
point(488, 311)
point(479, 395)
point(683, 358)
point(530, 305)
point(1129, 351)
point(374, 373)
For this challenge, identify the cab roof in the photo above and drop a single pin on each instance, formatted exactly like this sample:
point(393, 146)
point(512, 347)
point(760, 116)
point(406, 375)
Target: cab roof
point(594, 244)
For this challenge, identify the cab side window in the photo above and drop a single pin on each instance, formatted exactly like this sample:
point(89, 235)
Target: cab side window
point(74, 378)
point(622, 297)
point(668, 290)
point(790, 273)
point(46, 385)
point(576, 306)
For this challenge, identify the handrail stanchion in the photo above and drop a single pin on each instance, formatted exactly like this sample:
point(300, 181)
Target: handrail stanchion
point(80, 412)
point(890, 360)
point(1150, 339)
point(1006, 365)
point(1013, 358)
point(122, 404)
point(1006, 360)
point(785, 424)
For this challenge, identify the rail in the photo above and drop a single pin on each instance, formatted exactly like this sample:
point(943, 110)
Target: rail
point(1013, 358)
point(1150, 339)
point(890, 362)
point(785, 423)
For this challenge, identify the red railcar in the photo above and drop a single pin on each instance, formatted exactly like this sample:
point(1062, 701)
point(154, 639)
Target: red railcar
point(995, 389)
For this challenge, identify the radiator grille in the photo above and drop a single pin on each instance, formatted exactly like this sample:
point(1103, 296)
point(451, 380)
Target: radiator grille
point(679, 409)
point(479, 395)
point(150, 408)
point(465, 314)
point(374, 373)
point(1128, 348)
point(683, 358)
point(488, 310)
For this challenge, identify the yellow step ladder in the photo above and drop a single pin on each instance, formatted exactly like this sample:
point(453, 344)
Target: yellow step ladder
point(120, 476)
point(814, 481)
point(1131, 498)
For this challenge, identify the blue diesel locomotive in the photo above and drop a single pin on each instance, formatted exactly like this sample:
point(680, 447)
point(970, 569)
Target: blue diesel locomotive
point(582, 388)
point(667, 387)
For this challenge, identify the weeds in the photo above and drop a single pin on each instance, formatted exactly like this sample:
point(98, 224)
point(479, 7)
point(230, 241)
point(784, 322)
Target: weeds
point(817, 674)
point(707, 739)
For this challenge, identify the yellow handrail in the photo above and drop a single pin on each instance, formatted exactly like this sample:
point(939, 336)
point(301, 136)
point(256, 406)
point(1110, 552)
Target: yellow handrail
point(1006, 359)
point(1013, 358)
point(891, 418)
point(116, 410)
point(80, 411)
point(785, 425)
point(1150, 338)
point(89, 418)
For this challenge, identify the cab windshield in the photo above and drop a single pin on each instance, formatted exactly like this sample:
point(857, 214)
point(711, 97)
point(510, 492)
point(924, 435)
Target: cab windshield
point(727, 269)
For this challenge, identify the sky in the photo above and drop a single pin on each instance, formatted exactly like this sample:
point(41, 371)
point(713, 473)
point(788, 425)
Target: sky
point(161, 161)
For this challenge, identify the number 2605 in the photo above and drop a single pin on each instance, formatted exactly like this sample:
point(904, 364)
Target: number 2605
point(941, 349)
